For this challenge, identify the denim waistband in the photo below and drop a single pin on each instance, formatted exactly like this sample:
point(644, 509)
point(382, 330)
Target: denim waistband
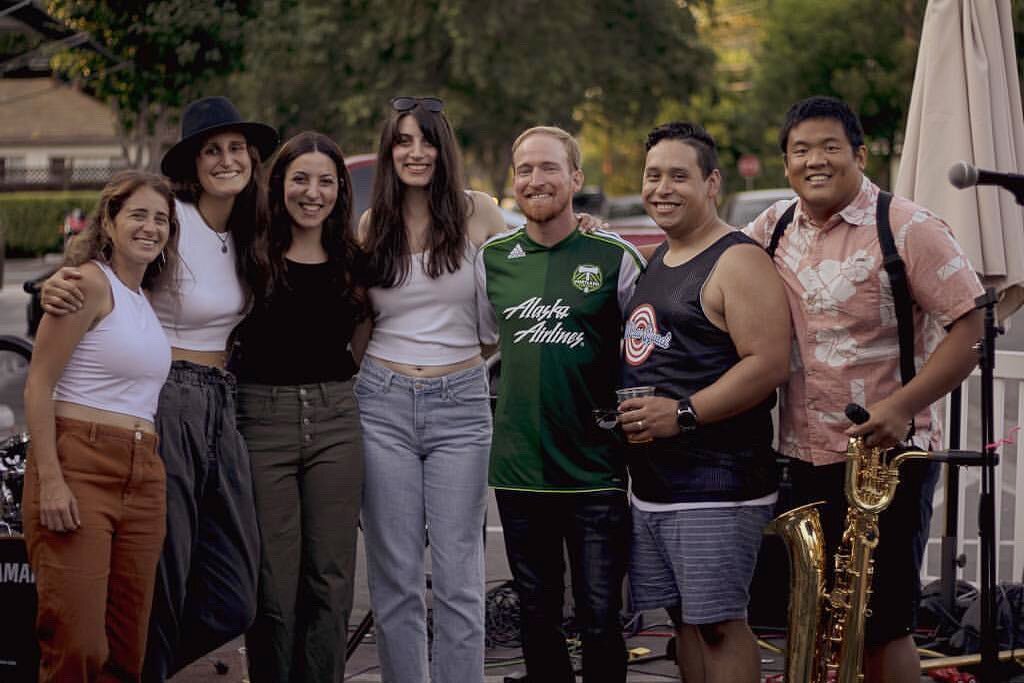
point(187, 372)
point(388, 377)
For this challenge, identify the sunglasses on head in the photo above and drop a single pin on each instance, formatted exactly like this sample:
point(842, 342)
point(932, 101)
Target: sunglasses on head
point(431, 104)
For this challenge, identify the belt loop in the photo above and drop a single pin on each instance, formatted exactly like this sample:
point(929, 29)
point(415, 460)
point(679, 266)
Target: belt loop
point(444, 387)
point(323, 392)
point(92, 432)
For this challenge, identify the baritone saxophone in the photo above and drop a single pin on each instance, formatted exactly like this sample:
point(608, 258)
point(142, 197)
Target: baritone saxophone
point(825, 637)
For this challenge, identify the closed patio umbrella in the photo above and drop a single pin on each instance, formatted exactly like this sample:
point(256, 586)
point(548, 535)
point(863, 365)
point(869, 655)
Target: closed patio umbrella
point(966, 105)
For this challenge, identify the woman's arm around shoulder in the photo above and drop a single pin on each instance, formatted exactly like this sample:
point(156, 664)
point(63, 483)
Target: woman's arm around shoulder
point(484, 220)
point(55, 342)
point(62, 293)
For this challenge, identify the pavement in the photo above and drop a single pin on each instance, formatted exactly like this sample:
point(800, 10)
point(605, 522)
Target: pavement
point(648, 632)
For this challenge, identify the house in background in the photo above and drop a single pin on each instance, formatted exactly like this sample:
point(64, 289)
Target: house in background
point(54, 136)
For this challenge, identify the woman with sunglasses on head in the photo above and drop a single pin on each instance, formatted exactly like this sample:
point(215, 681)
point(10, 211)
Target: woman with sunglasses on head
point(298, 416)
point(94, 487)
point(423, 400)
point(206, 583)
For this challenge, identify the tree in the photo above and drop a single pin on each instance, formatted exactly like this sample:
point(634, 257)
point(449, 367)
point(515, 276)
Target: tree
point(501, 67)
point(862, 51)
point(169, 52)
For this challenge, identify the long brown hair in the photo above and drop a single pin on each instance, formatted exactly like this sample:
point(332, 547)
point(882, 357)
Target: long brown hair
point(336, 236)
point(386, 241)
point(94, 243)
point(248, 214)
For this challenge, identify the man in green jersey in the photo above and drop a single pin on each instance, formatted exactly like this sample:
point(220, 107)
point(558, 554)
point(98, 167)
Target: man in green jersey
point(554, 299)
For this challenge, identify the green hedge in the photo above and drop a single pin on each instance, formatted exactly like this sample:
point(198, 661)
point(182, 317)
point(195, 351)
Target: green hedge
point(32, 221)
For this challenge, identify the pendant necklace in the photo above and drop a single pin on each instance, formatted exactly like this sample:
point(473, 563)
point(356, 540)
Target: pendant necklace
point(222, 236)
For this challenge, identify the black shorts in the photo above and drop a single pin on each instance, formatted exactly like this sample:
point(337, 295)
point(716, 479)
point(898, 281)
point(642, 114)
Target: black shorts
point(903, 534)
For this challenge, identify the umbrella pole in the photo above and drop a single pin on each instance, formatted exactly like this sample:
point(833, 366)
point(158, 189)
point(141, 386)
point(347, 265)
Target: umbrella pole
point(986, 507)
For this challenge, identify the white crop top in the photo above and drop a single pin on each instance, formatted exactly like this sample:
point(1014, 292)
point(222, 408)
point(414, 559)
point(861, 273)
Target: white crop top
point(121, 364)
point(425, 321)
point(206, 299)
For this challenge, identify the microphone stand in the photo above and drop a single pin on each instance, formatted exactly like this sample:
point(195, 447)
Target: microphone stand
point(986, 507)
point(987, 459)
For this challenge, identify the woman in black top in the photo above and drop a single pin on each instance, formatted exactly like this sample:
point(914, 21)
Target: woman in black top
point(298, 415)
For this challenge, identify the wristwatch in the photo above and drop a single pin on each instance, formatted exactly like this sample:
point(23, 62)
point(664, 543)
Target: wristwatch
point(686, 416)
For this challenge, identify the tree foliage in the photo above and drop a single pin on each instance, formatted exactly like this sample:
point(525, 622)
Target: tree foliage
point(500, 66)
point(160, 54)
point(862, 51)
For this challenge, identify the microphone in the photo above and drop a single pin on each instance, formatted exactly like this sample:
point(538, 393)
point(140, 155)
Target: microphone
point(963, 175)
point(857, 414)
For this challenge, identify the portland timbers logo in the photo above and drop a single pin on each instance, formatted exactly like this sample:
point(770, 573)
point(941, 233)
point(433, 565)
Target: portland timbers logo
point(587, 278)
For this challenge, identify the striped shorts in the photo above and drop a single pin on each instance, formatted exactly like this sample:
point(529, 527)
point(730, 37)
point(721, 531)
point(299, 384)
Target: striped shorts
point(696, 563)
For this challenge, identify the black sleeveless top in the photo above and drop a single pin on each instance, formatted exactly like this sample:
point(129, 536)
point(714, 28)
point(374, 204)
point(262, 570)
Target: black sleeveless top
point(299, 335)
point(670, 344)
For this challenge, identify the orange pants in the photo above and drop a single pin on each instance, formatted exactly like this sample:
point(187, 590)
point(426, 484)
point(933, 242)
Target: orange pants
point(95, 584)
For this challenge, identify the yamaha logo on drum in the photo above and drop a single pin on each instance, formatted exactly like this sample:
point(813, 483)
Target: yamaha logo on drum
point(16, 572)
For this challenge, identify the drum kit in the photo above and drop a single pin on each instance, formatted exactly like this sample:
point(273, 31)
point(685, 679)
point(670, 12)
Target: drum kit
point(13, 454)
point(19, 653)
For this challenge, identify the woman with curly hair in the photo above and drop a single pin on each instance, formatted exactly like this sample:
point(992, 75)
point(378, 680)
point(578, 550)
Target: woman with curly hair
point(94, 492)
point(206, 581)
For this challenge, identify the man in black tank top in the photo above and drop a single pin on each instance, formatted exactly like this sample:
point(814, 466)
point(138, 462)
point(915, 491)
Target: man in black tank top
point(708, 326)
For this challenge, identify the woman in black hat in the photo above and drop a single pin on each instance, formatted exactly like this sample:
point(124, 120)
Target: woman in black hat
point(206, 582)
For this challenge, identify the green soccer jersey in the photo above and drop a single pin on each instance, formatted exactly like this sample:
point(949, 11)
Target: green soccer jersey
point(557, 312)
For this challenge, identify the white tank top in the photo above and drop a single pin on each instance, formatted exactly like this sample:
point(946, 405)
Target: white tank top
point(121, 364)
point(426, 321)
point(206, 300)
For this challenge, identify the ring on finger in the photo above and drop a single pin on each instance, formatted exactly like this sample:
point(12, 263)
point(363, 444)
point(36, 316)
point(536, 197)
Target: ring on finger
point(640, 424)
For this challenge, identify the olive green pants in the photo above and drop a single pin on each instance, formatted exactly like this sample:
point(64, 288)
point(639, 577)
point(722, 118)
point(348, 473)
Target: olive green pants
point(307, 467)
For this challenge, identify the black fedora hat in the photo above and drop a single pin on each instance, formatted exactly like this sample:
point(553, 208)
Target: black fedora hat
point(204, 118)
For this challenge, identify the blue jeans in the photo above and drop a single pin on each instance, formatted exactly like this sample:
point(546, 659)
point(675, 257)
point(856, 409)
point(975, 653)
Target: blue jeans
point(426, 444)
point(595, 528)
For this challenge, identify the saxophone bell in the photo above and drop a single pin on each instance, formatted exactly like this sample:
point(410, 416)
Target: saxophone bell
point(826, 629)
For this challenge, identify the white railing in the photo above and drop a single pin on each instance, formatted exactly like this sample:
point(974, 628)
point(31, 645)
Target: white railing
point(1008, 394)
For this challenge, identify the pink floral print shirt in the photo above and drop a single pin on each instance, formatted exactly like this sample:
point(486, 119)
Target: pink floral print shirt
point(845, 346)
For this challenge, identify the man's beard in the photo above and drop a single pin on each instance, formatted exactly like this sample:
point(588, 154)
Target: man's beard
point(542, 214)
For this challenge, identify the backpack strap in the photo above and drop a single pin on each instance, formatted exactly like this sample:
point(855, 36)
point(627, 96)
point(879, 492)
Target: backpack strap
point(897, 271)
point(780, 227)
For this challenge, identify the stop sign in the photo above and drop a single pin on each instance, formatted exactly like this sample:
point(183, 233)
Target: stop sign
point(749, 166)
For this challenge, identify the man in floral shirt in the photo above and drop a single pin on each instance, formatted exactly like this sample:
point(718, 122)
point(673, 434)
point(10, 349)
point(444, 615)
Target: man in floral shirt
point(846, 350)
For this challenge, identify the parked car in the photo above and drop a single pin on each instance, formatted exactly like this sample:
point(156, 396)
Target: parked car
point(361, 168)
point(626, 216)
point(590, 200)
point(742, 207)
